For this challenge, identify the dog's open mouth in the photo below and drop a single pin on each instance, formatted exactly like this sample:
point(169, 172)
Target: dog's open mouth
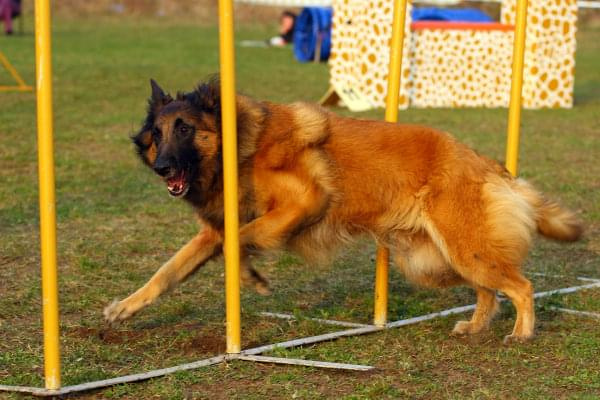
point(177, 184)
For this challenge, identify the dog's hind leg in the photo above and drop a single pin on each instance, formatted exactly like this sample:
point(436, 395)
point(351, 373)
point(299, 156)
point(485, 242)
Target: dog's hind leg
point(204, 246)
point(520, 291)
point(489, 277)
point(487, 307)
point(509, 280)
point(484, 229)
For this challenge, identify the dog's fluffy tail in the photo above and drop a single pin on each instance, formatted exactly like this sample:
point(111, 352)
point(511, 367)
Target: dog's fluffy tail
point(552, 220)
point(558, 223)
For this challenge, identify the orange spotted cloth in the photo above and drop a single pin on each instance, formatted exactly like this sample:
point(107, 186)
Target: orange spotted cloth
point(455, 64)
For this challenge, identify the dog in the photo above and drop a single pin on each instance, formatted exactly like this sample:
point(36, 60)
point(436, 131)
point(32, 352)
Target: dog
point(310, 181)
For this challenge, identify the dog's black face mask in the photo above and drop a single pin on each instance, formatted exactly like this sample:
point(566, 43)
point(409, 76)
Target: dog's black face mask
point(177, 158)
point(179, 139)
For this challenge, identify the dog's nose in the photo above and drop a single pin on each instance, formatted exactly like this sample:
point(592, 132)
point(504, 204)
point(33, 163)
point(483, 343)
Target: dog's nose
point(162, 166)
point(162, 171)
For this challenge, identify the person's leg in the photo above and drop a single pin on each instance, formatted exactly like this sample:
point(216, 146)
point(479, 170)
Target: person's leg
point(6, 15)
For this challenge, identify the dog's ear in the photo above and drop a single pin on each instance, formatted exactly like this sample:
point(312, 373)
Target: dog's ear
point(210, 92)
point(158, 99)
point(145, 146)
point(206, 97)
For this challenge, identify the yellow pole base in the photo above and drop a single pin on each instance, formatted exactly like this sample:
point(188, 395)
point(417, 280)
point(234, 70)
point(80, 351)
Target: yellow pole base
point(381, 286)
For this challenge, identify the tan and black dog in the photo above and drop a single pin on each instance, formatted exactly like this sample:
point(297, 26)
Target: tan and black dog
point(310, 180)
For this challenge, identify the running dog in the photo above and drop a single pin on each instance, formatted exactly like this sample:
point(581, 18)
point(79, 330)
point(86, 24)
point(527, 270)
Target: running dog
point(310, 180)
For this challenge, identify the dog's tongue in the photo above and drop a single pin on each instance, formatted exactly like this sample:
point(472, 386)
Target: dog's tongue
point(176, 184)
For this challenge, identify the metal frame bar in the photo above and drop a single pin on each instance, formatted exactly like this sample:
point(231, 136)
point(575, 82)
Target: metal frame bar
point(305, 363)
point(577, 312)
point(581, 278)
point(456, 310)
point(115, 381)
point(319, 320)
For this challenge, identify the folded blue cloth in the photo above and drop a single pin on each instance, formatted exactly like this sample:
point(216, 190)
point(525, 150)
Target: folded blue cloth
point(450, 14)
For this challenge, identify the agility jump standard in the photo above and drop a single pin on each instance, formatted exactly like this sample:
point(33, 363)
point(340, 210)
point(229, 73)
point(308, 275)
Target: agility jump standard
point(231, 248)
point(21, 85)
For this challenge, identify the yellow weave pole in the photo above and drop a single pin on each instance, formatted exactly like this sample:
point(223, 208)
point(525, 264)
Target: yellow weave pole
point(47, 200)
point(391, 115)
point(514, 110)
point(395, 70)
point(230, 176)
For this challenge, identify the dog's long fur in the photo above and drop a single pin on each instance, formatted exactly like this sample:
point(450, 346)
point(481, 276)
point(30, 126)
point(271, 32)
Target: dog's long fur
point(310, 180)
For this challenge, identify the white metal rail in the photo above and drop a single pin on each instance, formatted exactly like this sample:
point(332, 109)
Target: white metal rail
point(327, 3)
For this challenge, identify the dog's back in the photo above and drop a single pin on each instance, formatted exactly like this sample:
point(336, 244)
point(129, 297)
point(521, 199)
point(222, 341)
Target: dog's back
point(449, 215)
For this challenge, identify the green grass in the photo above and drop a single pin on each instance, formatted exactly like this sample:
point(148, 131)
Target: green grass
point(116, 225)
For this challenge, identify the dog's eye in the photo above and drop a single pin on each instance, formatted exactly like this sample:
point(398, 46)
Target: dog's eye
point(156, 134)
point(184, 129)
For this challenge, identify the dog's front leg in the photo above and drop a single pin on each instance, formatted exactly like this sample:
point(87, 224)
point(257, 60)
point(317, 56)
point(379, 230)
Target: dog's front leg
point(268, 231)
point(204, 246)
point(273, 229)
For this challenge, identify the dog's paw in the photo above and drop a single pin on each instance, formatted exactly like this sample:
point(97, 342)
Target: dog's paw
point(462, 328)
point(515, 339)
point(467, 328)
point(262, 288)
point(251, 278)
point(116, 311)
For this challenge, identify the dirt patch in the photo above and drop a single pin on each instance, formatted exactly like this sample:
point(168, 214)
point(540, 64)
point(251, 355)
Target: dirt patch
point(205, 342)
point(196, 339)
point(106, 335)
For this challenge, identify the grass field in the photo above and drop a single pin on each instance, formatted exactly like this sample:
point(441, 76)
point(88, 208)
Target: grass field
point(116, 225)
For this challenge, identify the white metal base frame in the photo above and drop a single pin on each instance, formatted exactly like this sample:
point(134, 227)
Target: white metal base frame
point(253, 353)
point(577, 312)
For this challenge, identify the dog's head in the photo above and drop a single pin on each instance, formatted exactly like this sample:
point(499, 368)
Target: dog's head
point(180, 138)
